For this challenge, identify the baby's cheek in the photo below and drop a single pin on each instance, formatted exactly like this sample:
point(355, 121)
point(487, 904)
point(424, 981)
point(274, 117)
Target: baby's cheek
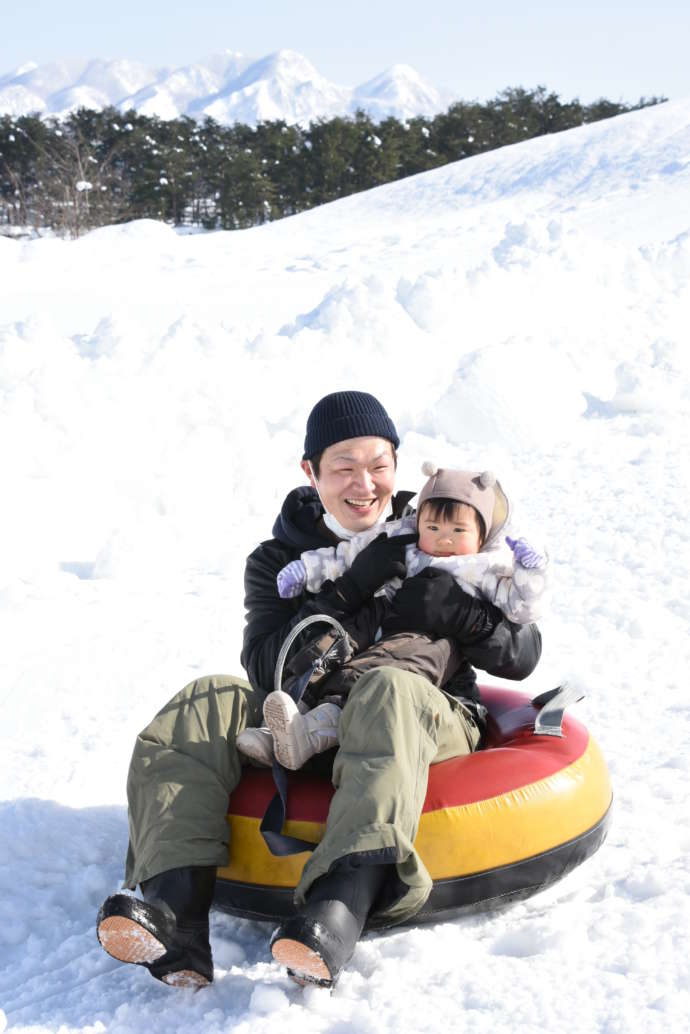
point(467, 547)
point(424, 544)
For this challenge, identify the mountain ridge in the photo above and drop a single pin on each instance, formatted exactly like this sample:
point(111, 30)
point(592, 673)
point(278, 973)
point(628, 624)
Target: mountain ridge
point(226, 85)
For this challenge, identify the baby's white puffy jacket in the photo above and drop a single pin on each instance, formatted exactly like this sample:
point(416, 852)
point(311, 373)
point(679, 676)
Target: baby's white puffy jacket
point(519, 592)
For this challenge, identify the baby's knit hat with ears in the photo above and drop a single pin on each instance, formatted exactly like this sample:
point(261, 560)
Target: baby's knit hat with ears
point(479, 489)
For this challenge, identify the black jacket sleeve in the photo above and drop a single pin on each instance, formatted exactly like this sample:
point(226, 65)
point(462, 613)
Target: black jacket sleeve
point(510, 652)
point(269, 619)
point(433, 602)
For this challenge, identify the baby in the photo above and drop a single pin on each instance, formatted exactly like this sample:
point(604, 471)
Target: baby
point(461, 520)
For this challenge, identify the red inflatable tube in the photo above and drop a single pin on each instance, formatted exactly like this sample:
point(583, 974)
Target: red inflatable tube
point(496, 825)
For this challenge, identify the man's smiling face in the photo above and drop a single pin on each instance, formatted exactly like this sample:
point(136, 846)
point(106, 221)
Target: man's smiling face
point(355, 480)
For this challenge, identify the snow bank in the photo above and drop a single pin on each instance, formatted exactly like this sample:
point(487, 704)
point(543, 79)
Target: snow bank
point(526, 311)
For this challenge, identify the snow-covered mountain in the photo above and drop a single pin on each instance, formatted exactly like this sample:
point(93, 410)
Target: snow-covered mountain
point(400, 91)
point(227, 86)
point(61, 86)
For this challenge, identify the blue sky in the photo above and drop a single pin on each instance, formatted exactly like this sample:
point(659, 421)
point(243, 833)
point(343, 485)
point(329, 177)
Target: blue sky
point(613, 49)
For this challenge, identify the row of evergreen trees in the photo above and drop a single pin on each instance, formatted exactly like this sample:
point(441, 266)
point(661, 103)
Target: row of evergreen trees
point(95, 168)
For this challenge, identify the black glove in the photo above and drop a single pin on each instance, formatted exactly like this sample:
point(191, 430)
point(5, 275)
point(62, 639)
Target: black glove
point(381, 560)
point(434, 603)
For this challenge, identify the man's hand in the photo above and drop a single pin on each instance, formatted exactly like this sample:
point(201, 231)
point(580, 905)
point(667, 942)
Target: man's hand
point(434, 603)
point(381, 560)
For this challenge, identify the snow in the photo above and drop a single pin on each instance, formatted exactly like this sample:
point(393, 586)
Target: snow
point(524, 311)
point(16, 100)
point(283, 85)
point(399, 91)
point(62, 86)
point(227, 86)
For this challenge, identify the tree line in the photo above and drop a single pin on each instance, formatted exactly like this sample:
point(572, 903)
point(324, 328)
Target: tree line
point(95, 168)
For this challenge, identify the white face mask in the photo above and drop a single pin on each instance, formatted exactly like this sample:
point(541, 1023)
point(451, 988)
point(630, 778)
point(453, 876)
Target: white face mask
point(344, 533)
point(334, 525)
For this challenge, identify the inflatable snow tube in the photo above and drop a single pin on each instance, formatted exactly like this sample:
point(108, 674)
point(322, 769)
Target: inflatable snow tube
point(497, 825)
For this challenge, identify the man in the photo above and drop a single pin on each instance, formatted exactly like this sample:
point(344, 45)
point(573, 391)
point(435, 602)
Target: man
point(394, 724)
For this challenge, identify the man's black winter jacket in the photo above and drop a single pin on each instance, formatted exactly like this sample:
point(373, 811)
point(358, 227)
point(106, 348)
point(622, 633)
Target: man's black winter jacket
point(509, 651)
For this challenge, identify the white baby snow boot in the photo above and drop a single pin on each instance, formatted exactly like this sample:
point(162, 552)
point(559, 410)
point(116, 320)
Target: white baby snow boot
point(257, 744)
point(297, 737)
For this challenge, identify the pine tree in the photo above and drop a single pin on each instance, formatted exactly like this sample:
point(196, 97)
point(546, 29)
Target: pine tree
point(21, 141)
point(98, 167)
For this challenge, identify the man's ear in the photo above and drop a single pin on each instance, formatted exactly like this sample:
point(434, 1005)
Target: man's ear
point(306, 467)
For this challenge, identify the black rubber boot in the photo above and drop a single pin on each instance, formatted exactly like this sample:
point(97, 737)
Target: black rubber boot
point(168, 931)
point(320, 940)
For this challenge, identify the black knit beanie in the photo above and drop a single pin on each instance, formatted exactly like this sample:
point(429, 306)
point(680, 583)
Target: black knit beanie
point(346, 414)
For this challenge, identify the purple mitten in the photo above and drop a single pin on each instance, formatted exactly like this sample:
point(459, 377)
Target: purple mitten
point(524, 554)
point(291, 579)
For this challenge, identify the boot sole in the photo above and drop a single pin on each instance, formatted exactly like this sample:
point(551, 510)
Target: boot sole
point(127, 941)
point(185, 978)
point(279, 720)
point(123, 932)
point(303, 963)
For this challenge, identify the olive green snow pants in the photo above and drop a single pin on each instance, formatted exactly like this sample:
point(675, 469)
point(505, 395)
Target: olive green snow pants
point(184, 767)
point(393, 726)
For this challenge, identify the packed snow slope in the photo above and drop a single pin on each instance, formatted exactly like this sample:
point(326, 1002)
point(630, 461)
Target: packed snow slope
point(526, 310)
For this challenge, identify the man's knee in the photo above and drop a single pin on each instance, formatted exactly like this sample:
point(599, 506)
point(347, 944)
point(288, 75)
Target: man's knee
point(210, 685)
point(211, 706)
point(388, 685)
point(390, 703)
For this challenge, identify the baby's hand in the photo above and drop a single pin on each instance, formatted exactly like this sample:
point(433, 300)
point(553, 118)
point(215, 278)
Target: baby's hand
point(291, 579)
point(525, 555)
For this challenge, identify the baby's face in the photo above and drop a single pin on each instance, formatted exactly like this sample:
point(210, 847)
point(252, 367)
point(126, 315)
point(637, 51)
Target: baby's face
point(443, 537)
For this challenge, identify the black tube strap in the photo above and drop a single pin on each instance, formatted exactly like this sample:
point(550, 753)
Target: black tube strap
point(277, 842)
